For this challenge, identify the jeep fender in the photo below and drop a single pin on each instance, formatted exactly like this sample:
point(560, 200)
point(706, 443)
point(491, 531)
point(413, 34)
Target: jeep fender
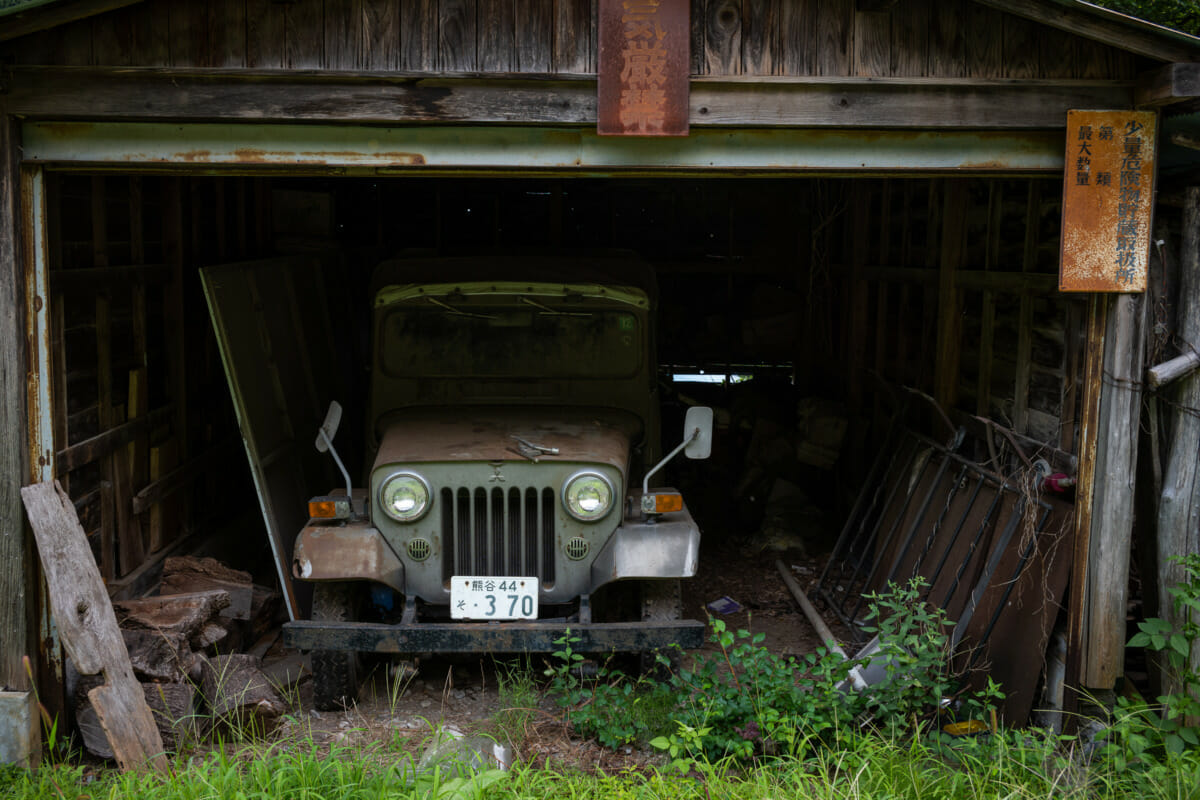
point(346, 553)
point(664, 549)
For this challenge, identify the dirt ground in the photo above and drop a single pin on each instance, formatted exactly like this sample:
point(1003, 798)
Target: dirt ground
point(462, 694)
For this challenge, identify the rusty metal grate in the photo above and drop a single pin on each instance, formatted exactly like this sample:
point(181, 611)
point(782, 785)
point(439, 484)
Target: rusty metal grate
point(494, 531)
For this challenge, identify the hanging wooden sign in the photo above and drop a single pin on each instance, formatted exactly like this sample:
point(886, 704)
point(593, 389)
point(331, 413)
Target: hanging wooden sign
point(1108, 198)
point(645, 58)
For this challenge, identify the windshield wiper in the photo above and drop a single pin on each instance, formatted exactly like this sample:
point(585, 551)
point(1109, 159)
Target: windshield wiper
point(545, 309)
point(458, 312)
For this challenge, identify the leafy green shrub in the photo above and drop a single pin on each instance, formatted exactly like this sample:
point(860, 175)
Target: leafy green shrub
point(745, 702)
point(1142, 733)
point(610, 707)
point(914, 644)
point(749, 701)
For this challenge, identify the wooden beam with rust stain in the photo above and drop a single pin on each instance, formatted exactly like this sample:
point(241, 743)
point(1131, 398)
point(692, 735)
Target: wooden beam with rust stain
point(1093, 373)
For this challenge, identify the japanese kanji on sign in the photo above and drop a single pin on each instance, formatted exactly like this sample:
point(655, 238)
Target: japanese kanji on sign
point(1108, 198)
point(644, 63)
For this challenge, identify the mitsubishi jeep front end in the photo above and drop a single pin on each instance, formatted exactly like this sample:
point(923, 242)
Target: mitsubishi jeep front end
point(514, 434)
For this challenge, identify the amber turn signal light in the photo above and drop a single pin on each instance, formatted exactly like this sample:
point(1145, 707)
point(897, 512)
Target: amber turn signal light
point(329, 508)
point(667, 503)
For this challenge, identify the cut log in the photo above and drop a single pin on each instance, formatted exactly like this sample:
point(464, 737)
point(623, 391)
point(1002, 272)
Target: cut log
point(187, 574)
point(238, 693)
point(157, 656)
point(172, 704)
point(174, 708)
point(88, 627)
point(179, 614)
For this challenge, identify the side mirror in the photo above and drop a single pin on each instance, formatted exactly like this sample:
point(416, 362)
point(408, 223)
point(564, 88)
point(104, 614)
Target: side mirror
point(325, 434)
point(697, 432)
point(328, 429)
point(697, 442)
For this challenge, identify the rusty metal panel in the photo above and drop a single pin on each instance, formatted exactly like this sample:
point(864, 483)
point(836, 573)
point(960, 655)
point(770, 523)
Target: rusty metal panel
point(1108, 198)
point(645, 57)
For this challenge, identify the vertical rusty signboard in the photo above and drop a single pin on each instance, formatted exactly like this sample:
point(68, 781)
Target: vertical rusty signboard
point(644, 63)
point(1108, 197)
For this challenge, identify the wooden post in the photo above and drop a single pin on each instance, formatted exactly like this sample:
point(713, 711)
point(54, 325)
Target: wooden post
point(1179, 506)
point(1077, 655)
point(949, 325)
point(16, 585)
point(1113, 492)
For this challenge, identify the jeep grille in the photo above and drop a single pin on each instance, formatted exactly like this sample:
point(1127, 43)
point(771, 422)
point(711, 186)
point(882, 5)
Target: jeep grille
point(498, 532)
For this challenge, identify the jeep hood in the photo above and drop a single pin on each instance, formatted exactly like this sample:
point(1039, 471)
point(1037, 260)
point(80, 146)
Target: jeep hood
point(418, 435)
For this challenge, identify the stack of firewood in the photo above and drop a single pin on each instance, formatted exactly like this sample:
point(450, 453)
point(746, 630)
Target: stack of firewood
point(183, 646)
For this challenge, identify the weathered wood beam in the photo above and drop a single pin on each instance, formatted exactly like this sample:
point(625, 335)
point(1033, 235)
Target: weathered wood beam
point(85, 618)
point(1176, 368)
point(953, 248)
point(97, 447)
point(43, 18)
point(375, 98)
point(1108, 27)
point(1179, 505)
point(15, 575)
point(1173, 83)
point(1089, 417)
point(1113, 493)
point(1183, 140)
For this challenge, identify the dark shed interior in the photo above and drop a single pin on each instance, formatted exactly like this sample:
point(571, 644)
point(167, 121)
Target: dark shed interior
point(760, 291)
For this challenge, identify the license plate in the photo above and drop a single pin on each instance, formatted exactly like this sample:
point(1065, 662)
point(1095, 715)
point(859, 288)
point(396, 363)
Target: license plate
point(473, 597)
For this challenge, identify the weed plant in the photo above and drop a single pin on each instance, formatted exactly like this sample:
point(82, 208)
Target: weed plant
point(746, 702)
point(1151, 736)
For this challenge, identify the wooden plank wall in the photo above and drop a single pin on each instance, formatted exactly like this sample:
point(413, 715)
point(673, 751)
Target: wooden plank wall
point(915, 38)
point(1019, 340)
point(132, 357)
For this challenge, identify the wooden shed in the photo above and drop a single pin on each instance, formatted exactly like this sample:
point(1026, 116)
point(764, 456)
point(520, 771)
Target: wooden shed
point(882, 178)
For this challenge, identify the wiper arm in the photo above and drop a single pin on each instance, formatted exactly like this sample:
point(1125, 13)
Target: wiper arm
point(458, 312)
point(533, 451)
point(545, 309)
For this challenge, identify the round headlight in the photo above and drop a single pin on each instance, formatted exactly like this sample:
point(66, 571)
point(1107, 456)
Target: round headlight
point(588, 496)
point(404, 497)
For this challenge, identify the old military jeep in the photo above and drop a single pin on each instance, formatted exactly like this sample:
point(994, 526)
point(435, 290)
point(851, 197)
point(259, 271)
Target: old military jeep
point(513, 427)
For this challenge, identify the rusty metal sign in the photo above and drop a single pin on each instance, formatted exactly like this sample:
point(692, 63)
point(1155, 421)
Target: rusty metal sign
point(1108, 198)
point(644, 62)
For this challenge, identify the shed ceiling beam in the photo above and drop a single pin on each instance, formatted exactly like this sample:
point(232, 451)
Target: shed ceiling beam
point(1110, 27)
point(402, 150)
point(1174, 83)
point(45, 17)
point(211, 95)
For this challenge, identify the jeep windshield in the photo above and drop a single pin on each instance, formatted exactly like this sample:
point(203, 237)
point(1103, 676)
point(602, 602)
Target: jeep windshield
point(546, 331)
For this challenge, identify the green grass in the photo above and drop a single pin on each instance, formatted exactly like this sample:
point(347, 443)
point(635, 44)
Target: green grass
point(1014, 766)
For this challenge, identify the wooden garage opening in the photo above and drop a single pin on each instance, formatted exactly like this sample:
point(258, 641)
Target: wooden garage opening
point(845, 285)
